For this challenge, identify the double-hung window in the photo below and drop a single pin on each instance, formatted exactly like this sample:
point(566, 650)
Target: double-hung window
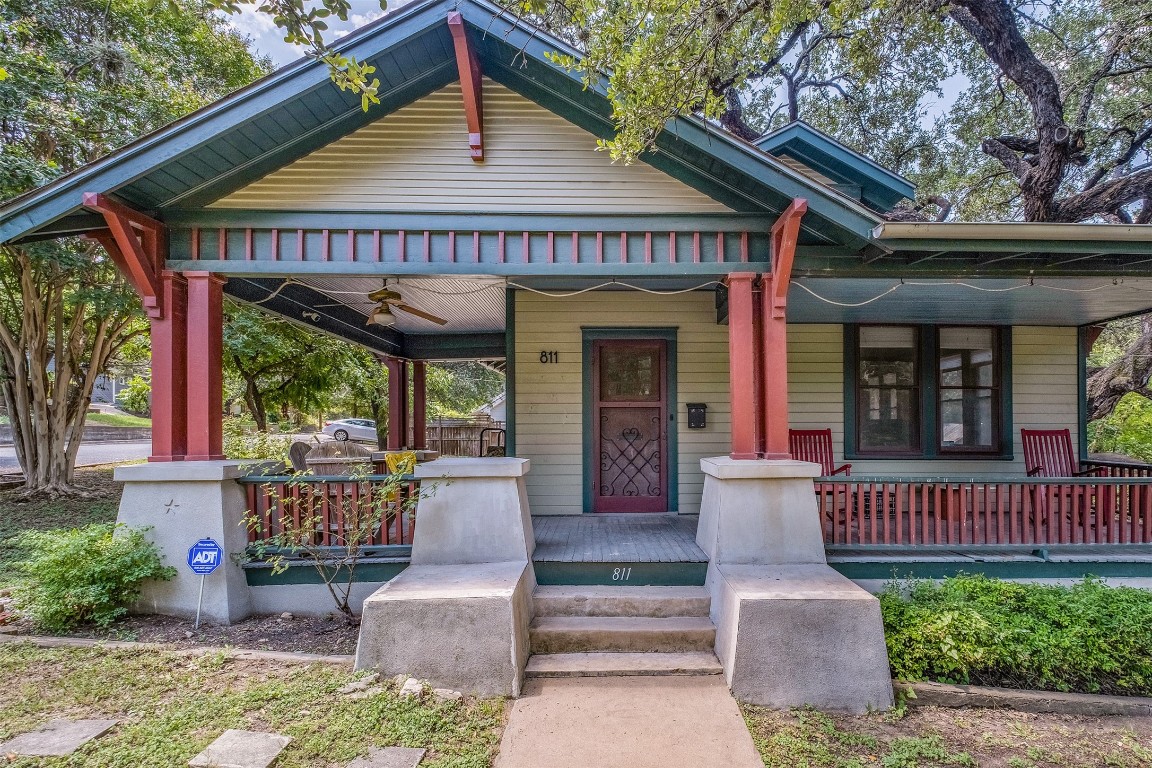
point(926, 391)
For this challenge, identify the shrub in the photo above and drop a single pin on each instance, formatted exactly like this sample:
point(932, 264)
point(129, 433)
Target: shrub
point(85, 574)
point(136, 397)
point(972, 629)
point(243, 441)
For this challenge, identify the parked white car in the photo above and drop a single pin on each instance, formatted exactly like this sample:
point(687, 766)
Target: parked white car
point(351, 429)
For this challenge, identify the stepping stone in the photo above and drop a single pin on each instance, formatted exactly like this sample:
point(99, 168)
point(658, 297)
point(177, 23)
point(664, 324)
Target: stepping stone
point(241, 749)
point(389, 757)
point(56, 738)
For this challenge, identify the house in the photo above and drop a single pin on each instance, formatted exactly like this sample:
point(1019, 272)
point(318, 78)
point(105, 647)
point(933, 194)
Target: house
point(697, 304)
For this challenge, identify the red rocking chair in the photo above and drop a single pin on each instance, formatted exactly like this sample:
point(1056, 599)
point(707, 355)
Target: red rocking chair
point(815, 445)
point(1049, 453)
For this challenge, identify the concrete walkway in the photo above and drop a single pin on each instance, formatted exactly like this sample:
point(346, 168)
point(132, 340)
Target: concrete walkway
point(626, 722)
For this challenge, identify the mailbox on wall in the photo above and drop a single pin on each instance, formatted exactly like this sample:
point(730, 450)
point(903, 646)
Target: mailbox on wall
point(697, 415)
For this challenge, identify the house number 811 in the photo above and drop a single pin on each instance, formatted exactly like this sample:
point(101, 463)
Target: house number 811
point(550, 357)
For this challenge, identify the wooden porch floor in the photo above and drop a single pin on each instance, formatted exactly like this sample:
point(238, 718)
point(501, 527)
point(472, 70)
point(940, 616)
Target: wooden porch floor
point(617, 538)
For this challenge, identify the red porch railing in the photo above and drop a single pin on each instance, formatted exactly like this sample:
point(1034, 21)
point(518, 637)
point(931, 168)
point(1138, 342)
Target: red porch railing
point(333, 505)
point(972, 511)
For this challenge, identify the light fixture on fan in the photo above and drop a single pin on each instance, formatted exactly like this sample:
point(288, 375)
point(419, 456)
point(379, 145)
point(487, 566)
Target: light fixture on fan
point(382, 315)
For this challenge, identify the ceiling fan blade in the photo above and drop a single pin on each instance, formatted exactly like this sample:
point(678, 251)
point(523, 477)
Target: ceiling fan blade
point(418, 312)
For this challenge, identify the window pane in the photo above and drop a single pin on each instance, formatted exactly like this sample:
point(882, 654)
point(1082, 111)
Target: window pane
point(888, 420)
point(968, 400)
point(887, 356)
point(629, 373)
point(966, 418)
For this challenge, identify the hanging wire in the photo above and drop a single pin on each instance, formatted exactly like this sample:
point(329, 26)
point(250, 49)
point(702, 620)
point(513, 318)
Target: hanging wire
point(902, 283)
point(610, 283)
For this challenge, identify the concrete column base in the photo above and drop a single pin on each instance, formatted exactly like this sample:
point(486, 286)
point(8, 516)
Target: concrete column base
point(183, 502)
point(790, 631)
point(796, 635)
point(458, 616)
point(463, 627)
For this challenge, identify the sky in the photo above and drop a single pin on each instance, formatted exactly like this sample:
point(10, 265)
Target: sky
point(269, 41)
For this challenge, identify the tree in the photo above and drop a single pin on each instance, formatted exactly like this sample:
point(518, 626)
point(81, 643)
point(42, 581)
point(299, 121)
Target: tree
point(281, 365)
point(84, 78)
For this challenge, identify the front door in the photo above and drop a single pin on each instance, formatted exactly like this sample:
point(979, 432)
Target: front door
point(630, 417)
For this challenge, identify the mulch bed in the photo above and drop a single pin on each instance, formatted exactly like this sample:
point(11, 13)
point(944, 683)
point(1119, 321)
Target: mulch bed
point(327, 635)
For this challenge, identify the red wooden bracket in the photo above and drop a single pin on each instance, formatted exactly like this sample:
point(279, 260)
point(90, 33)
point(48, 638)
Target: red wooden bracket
point(137, 240)
point(785, 233)
point(471, 83)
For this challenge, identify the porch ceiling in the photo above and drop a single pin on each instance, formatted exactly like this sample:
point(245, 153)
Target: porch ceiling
point(1005, 301)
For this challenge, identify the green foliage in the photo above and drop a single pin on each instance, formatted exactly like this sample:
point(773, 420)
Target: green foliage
point(305, 26)
point(972, 629)
point(136, 397)
point(275, 365)
point(243, 441)
point(88, 574)
point(1128, 430)
point(458, 389)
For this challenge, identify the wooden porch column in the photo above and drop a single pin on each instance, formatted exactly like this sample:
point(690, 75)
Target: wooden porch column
point(742, 354)
point(419, 405)
point(774, 354)
point(205, 378)
point(397, 403)
point(169, 371)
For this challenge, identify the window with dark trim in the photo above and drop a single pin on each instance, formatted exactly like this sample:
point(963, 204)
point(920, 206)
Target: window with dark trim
point(925, 391)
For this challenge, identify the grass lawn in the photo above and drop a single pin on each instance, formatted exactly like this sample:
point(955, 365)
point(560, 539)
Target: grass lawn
point(171, 707)
point(929, 737)
point(17, 516)
point(117, 420)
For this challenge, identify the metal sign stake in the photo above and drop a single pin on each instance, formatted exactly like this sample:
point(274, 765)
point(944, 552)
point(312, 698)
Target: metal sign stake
point(199, 602)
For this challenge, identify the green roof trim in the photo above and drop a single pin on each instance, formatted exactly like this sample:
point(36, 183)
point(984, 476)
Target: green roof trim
point(876, 186)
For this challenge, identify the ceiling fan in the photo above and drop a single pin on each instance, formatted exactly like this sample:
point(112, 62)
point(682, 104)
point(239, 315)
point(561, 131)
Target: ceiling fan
point(387, 300)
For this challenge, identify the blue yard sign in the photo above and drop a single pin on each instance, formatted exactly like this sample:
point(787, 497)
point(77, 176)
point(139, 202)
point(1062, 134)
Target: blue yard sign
point(204, 557)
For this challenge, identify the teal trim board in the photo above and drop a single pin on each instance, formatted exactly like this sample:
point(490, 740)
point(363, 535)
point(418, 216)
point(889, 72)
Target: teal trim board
point(594, 334)
point(382, 569)
point(509, 372)
point(621, 574)
point(1007, 569)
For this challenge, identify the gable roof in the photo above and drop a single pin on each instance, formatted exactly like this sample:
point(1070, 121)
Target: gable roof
point(297, 109)
point(849, 171)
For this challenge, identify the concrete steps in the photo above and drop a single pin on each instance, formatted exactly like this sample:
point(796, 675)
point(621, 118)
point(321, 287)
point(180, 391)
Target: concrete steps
point(577, 634)
point(651, 602)
point(623, 664)
point(592, 631)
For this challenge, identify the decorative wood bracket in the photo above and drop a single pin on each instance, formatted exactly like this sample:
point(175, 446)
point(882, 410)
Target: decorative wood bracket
point(471, 83)
point(133, 241)
point(785, 233)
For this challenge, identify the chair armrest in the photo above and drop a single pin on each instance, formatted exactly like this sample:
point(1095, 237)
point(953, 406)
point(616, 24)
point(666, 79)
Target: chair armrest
point(846, 469)
point(1035, 471)
point(1093, 472)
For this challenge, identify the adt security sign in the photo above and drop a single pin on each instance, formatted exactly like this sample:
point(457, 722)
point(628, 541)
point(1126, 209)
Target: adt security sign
point(204, 557)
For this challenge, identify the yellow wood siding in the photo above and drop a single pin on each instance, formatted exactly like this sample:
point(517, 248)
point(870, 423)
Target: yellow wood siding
point(549, 407)
point(1044, 394)
point(417, 159)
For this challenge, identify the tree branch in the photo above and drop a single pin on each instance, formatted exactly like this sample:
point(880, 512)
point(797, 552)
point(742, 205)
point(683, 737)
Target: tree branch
point(1106, 197)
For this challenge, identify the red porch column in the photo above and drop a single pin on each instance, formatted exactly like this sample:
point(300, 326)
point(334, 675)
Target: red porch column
point(774, 381)
point(774, 356)
point(742, 355)
point(205, 378)
point(397, 403)
point(169, 370)
point(419, 405)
